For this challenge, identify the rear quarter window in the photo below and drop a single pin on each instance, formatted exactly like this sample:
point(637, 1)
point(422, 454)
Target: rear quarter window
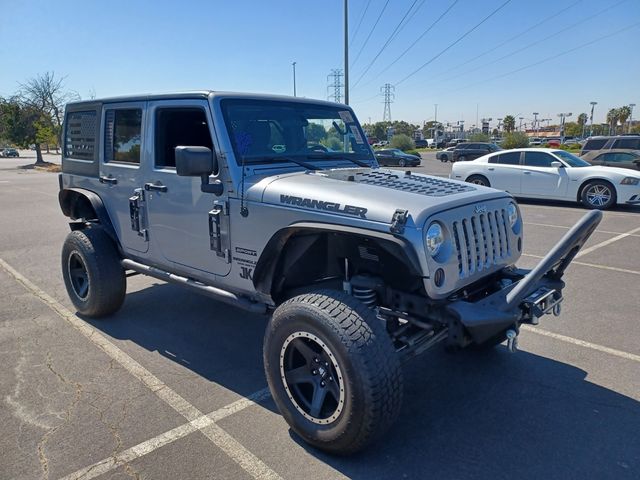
point(595, 144)
point(627, 143)
point(80, 135)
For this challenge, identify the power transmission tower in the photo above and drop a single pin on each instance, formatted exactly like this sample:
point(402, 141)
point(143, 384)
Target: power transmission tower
point(336, 74)
point(388, 91)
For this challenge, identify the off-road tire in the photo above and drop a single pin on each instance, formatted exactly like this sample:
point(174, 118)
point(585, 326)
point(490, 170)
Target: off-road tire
point(479, 180)
point(94, 251)
point(371, 376)
point(593, 185)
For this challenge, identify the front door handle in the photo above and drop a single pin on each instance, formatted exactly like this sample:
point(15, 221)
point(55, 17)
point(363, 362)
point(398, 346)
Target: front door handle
point(109, 180)
point(491, 169)
point(527, 173)
point(158, 187)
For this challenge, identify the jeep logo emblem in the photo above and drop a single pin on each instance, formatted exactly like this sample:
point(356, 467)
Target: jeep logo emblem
point(480, 209)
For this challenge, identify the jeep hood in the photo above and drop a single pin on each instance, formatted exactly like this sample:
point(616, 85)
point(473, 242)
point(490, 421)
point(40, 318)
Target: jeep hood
point(369, 194)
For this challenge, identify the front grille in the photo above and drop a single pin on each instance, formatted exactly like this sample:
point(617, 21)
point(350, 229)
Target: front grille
point(481, 241)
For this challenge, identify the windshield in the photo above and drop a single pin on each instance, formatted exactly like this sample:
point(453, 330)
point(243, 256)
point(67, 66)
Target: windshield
point(268, 131)
point(571, 159)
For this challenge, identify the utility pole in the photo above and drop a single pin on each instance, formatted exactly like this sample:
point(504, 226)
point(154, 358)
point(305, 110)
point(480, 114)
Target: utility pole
point(293, 64)
point(387, 90)
point(562, 117)
point(521, 118)
point(346, 52)
point(631, 105)
point(593, 104)
point(336, 74)
point(500, 127)
point(435, 126)
point(535, 122)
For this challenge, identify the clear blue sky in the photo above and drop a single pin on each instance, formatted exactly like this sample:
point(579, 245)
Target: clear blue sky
point(121, 47)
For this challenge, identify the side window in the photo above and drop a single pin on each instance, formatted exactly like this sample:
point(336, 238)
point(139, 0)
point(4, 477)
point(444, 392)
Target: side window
point(80, 135)
point(628, 143)
point(596, 144)
point(123, 132)
point(179, 127)
point(509, 158)
point(538, 159)
point(619, 157)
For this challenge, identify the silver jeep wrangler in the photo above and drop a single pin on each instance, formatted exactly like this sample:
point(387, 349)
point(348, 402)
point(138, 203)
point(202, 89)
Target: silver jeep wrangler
point(277, 205)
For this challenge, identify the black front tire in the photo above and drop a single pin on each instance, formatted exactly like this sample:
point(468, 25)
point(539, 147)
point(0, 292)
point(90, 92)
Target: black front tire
point(479, 180)
point(362, 362)
point(93, 275)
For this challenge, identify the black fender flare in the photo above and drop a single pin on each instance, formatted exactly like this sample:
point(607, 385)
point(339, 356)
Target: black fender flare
point(270, 256)
point(66, 199)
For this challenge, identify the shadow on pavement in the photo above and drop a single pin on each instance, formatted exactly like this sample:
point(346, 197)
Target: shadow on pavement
point(467, 415)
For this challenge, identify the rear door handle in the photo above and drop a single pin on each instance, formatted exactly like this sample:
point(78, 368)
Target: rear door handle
point(491, 169)
point(158, 187)
point(109, 180)
point(527, 173)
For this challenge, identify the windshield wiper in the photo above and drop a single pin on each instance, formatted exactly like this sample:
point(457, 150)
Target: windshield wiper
point(338, 156)
point(306, 165)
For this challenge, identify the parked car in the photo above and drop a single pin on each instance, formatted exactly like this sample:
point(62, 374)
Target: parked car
point(552, 174)
point(535, 141)
point(396, 157)
point(10, 152)
point(445, 155)
point(454, 141)
point(422, 143)
point(469, 151)
point(594, 146)
point(381, 143)
point(618, 158)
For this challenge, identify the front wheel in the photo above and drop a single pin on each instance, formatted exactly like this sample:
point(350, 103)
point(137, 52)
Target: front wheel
point(332, 370)
point(479, 180)
point(598, 195)
point(402, 162)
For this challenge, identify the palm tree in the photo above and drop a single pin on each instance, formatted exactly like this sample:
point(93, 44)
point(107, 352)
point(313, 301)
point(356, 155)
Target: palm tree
point(509, 123)
point(623, 115)
point(613, 116)
point(582, 121)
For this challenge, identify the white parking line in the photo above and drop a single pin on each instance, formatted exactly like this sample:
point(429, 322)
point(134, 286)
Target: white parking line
point(567, 228)
point(576, 210)
point(248, 461)
point(607, 242)
point(582, 343)
point(584, 264)
point(148, 446)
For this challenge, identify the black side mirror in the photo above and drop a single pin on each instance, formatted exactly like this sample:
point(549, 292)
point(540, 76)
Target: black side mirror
point(198, 162)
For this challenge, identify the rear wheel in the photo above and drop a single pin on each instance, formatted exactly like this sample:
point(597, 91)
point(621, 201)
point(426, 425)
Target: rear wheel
point(402, 162)
point(332, 370)
point(479, 180)
point(598, 194)
point(462, 158)
point(92, 273)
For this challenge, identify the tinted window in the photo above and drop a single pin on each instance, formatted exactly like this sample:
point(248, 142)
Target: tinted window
point(618, 157)
point(123, 131)
point(179, 126)
point(509, 158)
point(80, 135)
point(596, 144)
point(538, 159)
point(630, 143)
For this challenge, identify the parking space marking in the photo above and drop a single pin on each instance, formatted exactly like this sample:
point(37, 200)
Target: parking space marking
point(148, 446)
point(248, 461)
point(597, 246)
point(594, 265)
point(582, 343)
point(567, 228)
point(576, 210)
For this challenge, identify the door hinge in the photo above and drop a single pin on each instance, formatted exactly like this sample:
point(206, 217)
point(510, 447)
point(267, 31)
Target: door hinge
point(219, 229)
point(136, 208)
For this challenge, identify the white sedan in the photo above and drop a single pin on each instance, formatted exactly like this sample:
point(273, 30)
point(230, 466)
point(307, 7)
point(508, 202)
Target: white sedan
point(551, 174)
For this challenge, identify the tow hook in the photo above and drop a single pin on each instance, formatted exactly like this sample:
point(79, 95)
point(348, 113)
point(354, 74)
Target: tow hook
point(512, 341)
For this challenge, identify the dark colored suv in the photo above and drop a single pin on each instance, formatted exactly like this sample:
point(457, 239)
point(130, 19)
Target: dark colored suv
point(594, 146)
point(471, 151)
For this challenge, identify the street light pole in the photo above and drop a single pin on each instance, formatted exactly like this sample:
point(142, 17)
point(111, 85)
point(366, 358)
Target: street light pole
point(435, 126)
point(562, 117)
point(593, 104)
point(346, 52)
point(535, 122)
point(293, 64)
point(521, 118)
point(631, 105)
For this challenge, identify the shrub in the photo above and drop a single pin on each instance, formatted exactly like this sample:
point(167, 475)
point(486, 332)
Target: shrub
point(403, 142)
point(515, 140)
point(479, 137)
point(334, 143)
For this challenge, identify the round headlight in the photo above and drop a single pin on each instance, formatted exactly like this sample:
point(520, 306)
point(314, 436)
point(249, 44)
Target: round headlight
point(512, 214)
point(434, 239)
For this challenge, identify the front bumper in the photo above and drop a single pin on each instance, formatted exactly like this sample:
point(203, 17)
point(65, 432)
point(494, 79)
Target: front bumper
point(526, 295)
point(628, 194)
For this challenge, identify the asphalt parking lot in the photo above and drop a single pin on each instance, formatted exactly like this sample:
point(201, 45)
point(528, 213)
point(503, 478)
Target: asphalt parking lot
point(173, 385)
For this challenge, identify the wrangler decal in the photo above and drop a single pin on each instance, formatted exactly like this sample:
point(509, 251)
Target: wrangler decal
point(324, 205)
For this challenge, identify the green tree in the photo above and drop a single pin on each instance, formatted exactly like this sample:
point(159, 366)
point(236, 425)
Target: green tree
point(23, 125)
point(403, 142)
point(582, 119)
point(315, 132)
point(572, 129)
point(509, 123)
point(479, 137)
point(623, 115)
point(613, 116)
point(515, 140)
